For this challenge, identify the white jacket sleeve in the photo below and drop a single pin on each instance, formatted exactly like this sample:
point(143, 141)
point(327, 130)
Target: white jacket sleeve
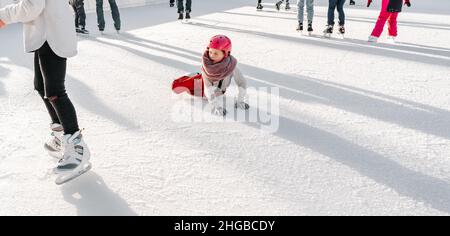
point(241, 82)
point(23, 11)
point(211, 93)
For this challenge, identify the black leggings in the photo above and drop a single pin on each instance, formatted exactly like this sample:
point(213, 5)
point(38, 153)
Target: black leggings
point(49, 79)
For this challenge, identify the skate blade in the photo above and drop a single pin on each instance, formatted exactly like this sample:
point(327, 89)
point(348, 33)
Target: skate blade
point(308, 34)
point(66, 177)
point(57, 171)
point(390, 41)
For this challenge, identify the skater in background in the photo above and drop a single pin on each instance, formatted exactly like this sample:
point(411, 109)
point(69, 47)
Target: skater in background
point(352, 2)
point(301, 13)
point(49, 34)
point(80, 16)
point(389, 12)
point(184, 9)
point(259, 7)
point(114, 12)
point(287, 7)
point(332, 6)
point(172, 3)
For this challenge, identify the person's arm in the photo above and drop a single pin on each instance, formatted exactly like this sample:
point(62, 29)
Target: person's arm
point(209, 89)
point(23, 11)
point(215, 98)
point(241, 82)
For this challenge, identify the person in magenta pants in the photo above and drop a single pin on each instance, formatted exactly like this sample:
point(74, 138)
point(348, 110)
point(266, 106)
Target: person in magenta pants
point(389, 12)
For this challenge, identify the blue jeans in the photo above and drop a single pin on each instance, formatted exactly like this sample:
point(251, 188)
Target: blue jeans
point(332, 5)
point(114, 11)
point(309, 9)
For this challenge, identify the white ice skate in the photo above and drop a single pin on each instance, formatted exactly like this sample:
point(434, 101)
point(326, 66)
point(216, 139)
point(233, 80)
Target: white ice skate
point(341, 32)
point(75, 161)
point(54, 145)
point(391, 39)
point(328, 31)
point(372, 39)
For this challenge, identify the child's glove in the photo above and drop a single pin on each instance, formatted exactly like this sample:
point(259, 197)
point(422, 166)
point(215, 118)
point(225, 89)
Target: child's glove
point(218, 103)
point(369, 2)
point(219, 111)
point(242, 100)
point(241, 105)
point(407, 3)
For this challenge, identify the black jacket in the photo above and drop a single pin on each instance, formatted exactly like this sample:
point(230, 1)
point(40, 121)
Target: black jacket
point(395, 6)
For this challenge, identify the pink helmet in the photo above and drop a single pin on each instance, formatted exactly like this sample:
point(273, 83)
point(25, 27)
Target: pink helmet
point(221, 42)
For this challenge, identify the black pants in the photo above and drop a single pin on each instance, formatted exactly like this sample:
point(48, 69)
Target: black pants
point(49, 81)
point(182, 9)
point(80, 14)
point(114, 11)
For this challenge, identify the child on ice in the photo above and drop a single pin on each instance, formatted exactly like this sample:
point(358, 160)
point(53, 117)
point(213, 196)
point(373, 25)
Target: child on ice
point(219, 67)
point(389, 12)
